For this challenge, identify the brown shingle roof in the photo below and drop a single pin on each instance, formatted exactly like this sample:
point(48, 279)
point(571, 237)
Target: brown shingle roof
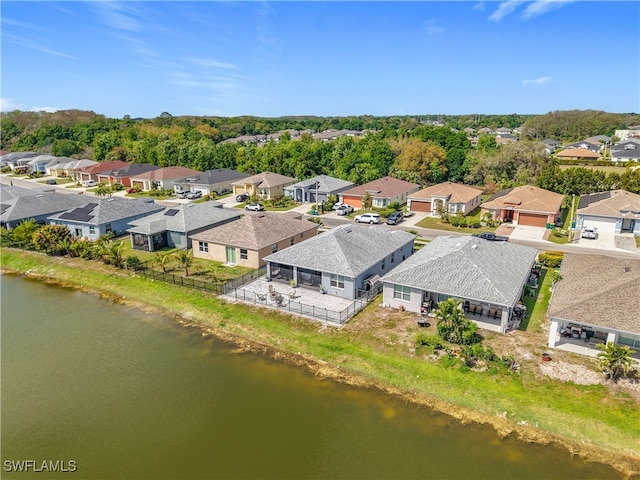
point(527, 198)
point(620, 204)
point(614, 304)
point(455, 192)
point(266, 180)
point(101, 167)
point(386, 187)
point(578, 153)
point(257, 230)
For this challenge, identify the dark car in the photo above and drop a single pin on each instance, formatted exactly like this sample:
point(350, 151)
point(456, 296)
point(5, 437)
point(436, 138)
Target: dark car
point(491, 236)
point(395, 218)
point(243, 197)
point(51, 181)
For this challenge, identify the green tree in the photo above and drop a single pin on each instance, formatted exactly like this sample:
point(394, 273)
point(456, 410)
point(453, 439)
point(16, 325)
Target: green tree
point(103, 190)
point(65, 148)
point(453, 326)
point(162, 260)
point(50, 238)
point(22, 234)
point(185, 260)
point(615, 360)
point(426, 159)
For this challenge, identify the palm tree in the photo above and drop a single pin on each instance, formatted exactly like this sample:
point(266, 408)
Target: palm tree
point(185, 260)
point(615, 360)
point(452, 325)
point(162, 260)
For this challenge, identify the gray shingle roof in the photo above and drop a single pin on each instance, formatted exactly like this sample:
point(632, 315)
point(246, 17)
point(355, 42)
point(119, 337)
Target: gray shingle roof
point(348, 250)
point(211, 177)
point(468, 267)
point(187, 217)
point(31, 206)
point(108, 210)
point(325, 183)
point(613, 304)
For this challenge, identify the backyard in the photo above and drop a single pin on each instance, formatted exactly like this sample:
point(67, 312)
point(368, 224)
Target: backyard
point(472, 218)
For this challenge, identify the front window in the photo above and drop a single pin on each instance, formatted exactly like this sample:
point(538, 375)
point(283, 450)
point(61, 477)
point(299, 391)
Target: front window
point(401, 292)
point(291, 241)
point(92, 229)
point(244, 254)
point(204, 247)
point(107, 228)
point(274, 249)
point(337, 281)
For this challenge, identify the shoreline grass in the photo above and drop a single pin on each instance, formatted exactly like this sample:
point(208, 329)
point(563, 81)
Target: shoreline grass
point(588, 420)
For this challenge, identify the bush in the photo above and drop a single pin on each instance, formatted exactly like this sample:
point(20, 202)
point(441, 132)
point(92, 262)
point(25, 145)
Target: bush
point(475, 224)
point(132, 263)
point(117, 187)
point(432, 341)
point(551, 259)
point(458, 221)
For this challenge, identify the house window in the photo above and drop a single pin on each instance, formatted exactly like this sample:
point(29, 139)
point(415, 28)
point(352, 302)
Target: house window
point(274, 249)
point(92, 229)
point(401, 292)
point(203, 247)
point(383, 264)
point(337, 281)
point(107, 228)
point(291, 241)
point(392, 255)
point(244, 254)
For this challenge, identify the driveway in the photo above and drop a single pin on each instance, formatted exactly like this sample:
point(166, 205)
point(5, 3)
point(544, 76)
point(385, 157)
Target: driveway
point(525, 232)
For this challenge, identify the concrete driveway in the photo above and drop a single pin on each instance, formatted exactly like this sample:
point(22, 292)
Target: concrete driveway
point(525, 232)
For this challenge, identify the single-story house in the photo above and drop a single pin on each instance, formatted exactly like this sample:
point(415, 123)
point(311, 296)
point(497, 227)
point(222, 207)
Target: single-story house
point(265, 185)
point(40, 162)
point(346, 261)
point(448, 196)
point(91, 172)
point(175, 226)
point(18, 204)
point(163, 178)
point(383, 191)
point(526, 205)
point(247, 241)
point(583, 315)
point(317, 189)
point(550, 145)
point(16, 159)
point(578, 154)
point(123, 175)
point(488, 277)
point(593, 146)
point(216, 181)
point(627, 155)
point(66, 169)
point(104, 215)
point(615, 211)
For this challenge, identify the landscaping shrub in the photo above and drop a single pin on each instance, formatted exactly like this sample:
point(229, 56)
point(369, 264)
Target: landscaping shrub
point(475, 224)
point(117, 187)
point(551, 259)
point(431, 341)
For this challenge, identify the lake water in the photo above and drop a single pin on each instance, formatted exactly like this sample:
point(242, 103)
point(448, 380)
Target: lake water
point(125, 394)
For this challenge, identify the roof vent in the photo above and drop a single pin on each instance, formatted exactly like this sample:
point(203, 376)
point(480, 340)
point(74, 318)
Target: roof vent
point(474, 246)
point(626, 269)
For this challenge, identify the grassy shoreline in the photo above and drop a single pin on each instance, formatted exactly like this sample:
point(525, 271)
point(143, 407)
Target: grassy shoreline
point(587, 420)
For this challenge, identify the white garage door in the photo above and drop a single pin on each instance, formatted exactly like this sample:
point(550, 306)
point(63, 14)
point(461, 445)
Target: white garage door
point(602, 224)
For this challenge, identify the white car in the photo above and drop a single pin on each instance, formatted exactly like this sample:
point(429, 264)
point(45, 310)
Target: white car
point(89, 183)
point(590, 233)
point(344, 210)
point(192, 195)
point(370, 218)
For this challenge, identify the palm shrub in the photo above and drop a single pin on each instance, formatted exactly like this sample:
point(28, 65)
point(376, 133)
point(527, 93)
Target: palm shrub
point(453, 326)
point(615, 360)
point(185, 260)
point(22, 234)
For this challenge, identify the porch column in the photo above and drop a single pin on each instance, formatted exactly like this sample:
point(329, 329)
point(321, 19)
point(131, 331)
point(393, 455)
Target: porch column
point(504, 321)
point(150, 243)
point(612, 337)
point(295, 276)
point(268, 271)
point(553, 334)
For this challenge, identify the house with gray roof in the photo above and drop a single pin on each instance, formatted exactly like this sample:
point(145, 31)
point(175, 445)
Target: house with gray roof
point(346, 261)
point(18, 204)
point(246, 242)
point(15, 160)
point(583, 316)
point(174, 226)
point(488, 277)
point(40, 162)
point(614, 211)
point(103, 215)
point(265, 185)
point(216, 181)
point(317, 189)
point(67, 168)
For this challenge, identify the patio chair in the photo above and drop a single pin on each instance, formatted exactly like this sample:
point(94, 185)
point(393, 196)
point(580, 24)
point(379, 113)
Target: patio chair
point(261, 297)
point(492, 313)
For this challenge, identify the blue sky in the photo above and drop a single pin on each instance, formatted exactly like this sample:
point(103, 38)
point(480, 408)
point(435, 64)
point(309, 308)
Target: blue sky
point(320, 58)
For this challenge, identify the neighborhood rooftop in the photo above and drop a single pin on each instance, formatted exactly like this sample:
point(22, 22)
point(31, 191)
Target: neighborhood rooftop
point(105, 210)
point(526, 198)
point(183, 218)
point(616, 203)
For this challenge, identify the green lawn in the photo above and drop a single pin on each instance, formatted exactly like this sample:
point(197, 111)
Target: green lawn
point(437, 224)
point(59, 180)
point(538, 304)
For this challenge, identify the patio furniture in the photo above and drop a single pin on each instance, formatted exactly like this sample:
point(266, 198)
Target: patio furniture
point(492, 313)
point(262, 297)
point(422, 322)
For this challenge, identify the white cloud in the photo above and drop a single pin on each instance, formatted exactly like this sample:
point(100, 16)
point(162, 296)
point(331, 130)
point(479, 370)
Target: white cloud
point(536, 82)
point(118, 16)
point(210, 62)
point(27, 43)
point(504, 9)
point(8, 105)
point(479, 6)
point(433, 27)
point(540, 7)
point(43, 109)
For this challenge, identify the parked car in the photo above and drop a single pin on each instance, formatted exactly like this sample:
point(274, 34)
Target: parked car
point(243, 197)
point(395, 218)
point(182, 194)
point(590, 233)
point(89, 183)
point(256, 207)
point(408, 214)
point(344, 210)
point(370, 218)
point(339, 205)
point(193, 195)
point(51, 181)
point(491, 236)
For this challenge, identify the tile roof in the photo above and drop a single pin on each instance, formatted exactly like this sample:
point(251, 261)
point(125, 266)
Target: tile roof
point(257, 230)
point(325, 183)
point(184, 218)
point(616, 203)
point(468, 267)
point(108, 210)
point(348, 250)
point(167, 173)
point(386, 187)
point(454, 192)
point(613, 304)
point(526, 198)
point(266, 180)
point(578, 153)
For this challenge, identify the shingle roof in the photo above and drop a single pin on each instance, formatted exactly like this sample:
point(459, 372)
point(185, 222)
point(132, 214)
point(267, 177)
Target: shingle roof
point(266, 180)
point(325, 183)
point(616, 203)
point(167, 173)
point(454, 192)
point(526, 198)
point(211, 177)
point(386, 187)
point(348, 250)
point(14, 156)
point(101, 167)
point(578, 153)
point(468, 267)
point(130, 170)
point(31, 206)
point(257, 230)
point(184, 218)
point(108, 210)
point(613, 304)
